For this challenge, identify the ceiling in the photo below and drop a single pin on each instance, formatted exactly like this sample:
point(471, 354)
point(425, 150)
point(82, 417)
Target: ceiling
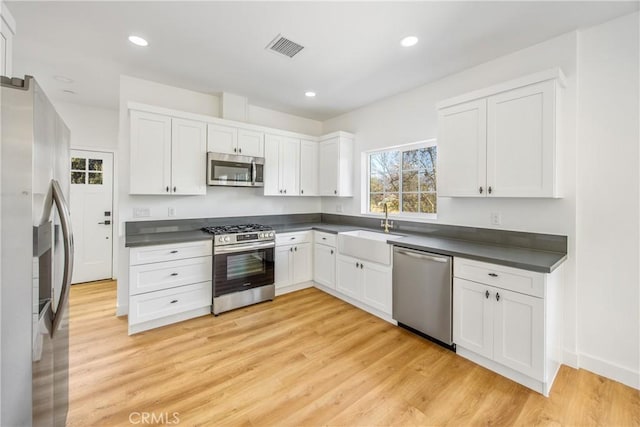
point(352, 54)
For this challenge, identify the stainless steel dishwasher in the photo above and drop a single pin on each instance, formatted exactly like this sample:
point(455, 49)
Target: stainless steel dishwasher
point(422, 293)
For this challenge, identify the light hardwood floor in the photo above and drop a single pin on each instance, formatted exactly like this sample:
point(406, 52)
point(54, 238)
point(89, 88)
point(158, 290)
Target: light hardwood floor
point(305, 359)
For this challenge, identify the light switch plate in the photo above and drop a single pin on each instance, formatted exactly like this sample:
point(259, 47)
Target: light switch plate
point(338, 208)
point(172, 211)
point(496, 218)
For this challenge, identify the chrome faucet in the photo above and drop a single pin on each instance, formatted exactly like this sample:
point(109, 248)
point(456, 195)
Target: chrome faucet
point(386, 224)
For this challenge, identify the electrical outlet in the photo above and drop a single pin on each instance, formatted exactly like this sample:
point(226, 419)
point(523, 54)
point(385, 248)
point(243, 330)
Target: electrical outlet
point(172, 211)
point(141, 212)
point(338, 208)
point(496, 218)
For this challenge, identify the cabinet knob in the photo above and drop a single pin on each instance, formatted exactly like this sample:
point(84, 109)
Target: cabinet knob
point(497, 296)
point(174, 274)
point(489, 190)
point(493, 275)
point(335, 191)
point(285, 191)
point(361, 266)
point(295, 249)
point(331, 251)
point(301, 191)
point(290, 249)
point(357, 265)
point(167, 188)
point(174, 301)
point(239, 150)
point(235, 150)
point(486, 294)
point(480, 189)
point(174, 189)
point(174, 251)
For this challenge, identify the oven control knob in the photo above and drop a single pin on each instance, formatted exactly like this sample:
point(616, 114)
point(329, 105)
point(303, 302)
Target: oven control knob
point(221, 239)
point(260, 235)
point(271, 234)
point(227, 239)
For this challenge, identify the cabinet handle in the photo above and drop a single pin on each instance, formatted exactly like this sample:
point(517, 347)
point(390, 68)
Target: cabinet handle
point(235, 150)
point(295, 249)
point(167, 188)
point(486, 294)
point(280, 191)
point(335, 191)
point(174, 189)
point(489, 190)
point(497, 296)
point(239, 150)
point(357, 265)
point(480, 189)
point(361, 266)
point(331, 251)
point(301, 191)
point(290, 249)
point(174, 252)
point(174, 301)
point(292, 238)
point(174, 274)
point(493, 275)
point(324, 238)
point(285, 191)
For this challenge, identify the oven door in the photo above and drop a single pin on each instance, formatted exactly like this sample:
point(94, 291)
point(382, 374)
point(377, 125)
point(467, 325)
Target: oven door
point(235, 171)
point(244, 266)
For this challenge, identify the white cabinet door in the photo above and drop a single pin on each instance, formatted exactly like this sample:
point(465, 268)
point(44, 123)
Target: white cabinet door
point(376, 286)
point(308, 168)
point(150, 140)
point(272, 165)
point(302, 263)
point(329, 164)
point(324, 265)
point(462, 150)
point(290, 166)
point(521, 142)
point(348, 277)
point(518, 340)
point(283, 258)
point(222, 139)
point(188, 157)
point(250, 143)
point(473, 316)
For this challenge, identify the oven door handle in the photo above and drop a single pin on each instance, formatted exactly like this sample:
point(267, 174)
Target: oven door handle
point(243, 248)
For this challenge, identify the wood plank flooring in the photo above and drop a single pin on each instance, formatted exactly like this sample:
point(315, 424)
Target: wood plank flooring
point(305, 359)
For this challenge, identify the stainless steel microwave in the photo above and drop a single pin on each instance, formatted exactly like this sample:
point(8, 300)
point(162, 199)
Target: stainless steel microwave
point(235, 171)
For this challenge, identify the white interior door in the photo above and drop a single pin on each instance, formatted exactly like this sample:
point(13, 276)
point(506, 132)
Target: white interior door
point(92, 214)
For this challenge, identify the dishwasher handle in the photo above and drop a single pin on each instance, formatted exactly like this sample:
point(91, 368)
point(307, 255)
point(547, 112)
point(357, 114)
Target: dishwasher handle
point(421, 256)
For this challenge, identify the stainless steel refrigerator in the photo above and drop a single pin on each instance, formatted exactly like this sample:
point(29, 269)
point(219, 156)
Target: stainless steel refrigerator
point(36, 257)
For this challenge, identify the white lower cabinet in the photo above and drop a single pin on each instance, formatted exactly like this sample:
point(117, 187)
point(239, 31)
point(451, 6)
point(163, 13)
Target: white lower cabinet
point(324, 265)
point(293, 261)
point(513, 333)
point(169, 283)
point(365, 282)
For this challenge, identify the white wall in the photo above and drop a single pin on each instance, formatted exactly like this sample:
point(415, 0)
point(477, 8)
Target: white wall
point(219, 201)
point(608, 232)
point(411, 116)
point(91, 127)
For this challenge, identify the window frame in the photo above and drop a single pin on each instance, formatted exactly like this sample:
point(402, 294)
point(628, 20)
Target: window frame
point(366, 194)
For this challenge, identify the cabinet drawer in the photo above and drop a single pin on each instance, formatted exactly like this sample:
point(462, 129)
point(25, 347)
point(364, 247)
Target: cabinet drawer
point(156, 305)
point(293, 238)
point(325, 238)
point(164, 275)
point(513, 279)
point(174, 251)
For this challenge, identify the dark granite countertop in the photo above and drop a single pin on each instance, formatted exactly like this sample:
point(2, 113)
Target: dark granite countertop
point(151, 239)
point(512, 256)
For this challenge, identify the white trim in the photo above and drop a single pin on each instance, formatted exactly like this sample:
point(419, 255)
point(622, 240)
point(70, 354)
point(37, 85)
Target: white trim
point(549, 74)
point(293, 288)
point(384, 316)
point(570, 358)
point(179, 317)
point(137, 106)
point(610, 370)
point(8, 18)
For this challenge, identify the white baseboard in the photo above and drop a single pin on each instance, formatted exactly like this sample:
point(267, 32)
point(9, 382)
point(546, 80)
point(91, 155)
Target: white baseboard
point(293, 288)
point(610, 370)
point(384, 316)
point(122, 310)
point(570, 359)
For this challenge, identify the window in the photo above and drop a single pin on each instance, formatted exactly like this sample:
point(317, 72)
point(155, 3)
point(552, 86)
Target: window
point(82, 168)
point(405, 178)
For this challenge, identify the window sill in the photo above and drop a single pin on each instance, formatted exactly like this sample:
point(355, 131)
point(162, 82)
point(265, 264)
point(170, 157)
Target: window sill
point(404, 217)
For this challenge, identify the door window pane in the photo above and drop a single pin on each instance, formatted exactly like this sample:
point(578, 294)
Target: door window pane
point(95, 164)
point(95, 178)
point(78, 177)
point(78, 163)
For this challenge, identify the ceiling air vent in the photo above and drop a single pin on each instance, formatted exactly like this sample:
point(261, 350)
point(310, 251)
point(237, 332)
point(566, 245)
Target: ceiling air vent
point(284, 46)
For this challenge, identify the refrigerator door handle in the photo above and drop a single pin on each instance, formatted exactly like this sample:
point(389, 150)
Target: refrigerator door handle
point(67, 235)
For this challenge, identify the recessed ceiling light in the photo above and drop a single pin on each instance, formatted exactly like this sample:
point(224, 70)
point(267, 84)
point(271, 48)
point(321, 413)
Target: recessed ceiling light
point(138, 41)
point(63, 79)
point(310, 94)
point(68, 91)
point(409, 41)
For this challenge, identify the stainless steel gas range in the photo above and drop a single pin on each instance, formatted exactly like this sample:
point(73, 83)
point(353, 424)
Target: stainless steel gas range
point(243, 265)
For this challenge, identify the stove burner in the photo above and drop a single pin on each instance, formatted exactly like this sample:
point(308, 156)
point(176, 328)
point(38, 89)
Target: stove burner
point(236, 229)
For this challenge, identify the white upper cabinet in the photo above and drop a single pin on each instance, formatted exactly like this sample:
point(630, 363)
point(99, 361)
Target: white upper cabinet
point(232, 140)
point(150, 137)
point(335, 174)
point(501, 141)
point(308, 168)
point(168, 156)
point(7, 31)
point(222, 139)
point(188, 157)
point(462, 149)
point(282, 166)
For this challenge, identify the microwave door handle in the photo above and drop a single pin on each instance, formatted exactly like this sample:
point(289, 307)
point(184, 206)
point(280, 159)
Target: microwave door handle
point(67, 233)
point(254, 172)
